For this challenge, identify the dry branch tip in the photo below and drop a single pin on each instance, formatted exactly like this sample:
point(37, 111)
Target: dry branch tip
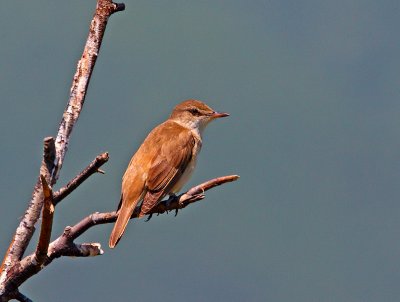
point(119, 7)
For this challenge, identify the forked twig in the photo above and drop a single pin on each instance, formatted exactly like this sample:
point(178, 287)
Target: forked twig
point(93, 167)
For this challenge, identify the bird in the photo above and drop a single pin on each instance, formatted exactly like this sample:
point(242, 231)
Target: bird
point(163, 163)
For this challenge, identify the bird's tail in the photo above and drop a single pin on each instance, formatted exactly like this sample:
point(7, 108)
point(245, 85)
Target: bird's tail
point(125, 213)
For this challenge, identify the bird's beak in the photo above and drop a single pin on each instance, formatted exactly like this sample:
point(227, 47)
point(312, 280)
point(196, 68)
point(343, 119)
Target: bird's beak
point(216, 114)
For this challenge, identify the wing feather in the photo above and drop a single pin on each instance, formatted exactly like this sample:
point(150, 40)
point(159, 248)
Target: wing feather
point(168, 165)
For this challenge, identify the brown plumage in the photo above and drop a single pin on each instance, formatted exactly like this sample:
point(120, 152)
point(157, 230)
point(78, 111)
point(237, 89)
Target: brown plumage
point(163, 163)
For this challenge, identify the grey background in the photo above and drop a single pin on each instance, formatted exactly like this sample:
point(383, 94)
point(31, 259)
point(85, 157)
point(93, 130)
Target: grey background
point(313, 92)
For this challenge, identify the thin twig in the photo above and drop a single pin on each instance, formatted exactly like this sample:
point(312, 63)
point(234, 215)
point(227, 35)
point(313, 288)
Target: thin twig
point(92, 168)
point(205, 186)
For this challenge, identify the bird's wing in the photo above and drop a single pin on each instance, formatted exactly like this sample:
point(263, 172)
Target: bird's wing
point(168, 165)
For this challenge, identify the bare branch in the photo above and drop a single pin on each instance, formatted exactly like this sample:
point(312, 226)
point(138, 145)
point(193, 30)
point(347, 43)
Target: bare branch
point(47, 223)
point(55, 150)
point(64, 245)
point(205, 186)
point(92, 168)
point(49, 156)
point(14, 270)
point(60, 248)
point(104, 9)
point(86, 250)
point(188, 197)
point(174, 203)
point(26, 227)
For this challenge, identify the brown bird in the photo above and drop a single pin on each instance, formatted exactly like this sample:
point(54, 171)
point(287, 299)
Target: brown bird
point(163, 163)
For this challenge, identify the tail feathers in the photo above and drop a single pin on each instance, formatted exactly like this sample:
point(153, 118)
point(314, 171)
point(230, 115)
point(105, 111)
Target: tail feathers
point(124, 215)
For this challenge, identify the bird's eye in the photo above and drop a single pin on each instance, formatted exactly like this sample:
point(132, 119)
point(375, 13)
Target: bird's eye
point(194, 111)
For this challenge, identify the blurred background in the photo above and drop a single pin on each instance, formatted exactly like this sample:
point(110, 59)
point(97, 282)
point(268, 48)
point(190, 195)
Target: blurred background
point(313, 92)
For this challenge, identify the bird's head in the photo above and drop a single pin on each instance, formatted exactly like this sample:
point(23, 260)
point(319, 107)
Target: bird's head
point(195, 114)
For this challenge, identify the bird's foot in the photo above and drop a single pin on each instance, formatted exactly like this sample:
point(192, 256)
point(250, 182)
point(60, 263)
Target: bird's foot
point(172, 196)
point(149, 217)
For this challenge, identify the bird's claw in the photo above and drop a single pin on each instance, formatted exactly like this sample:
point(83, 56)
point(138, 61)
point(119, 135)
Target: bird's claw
point(149, 217)
point(172, 196)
